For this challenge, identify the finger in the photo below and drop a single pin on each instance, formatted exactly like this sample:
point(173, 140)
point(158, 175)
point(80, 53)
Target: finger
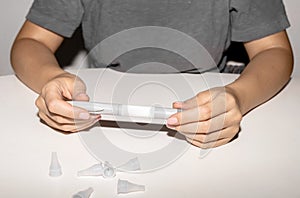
point(55, 120)
point(68, 127)
point(79, 89)
point(81, 97)
point(56, 105)
point(219, 122)
point(204, 127)
point(64, 120)
point(200, 99)
point(191, 115)
point(177, 105)
point(40, 103)
point(214, 144)
point(55, 125)
point(200, 113)
point(205, 97)
point(228, 132)
point(85, 125)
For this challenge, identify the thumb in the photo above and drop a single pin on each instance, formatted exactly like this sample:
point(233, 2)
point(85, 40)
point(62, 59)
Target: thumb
point(82, 97)
point(200, 99)
point(79, 90)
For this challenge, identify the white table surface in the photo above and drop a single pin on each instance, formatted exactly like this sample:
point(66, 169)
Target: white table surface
point(264, 161)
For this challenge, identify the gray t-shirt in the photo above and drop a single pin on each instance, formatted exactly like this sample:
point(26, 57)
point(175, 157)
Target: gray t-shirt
point(174, 26)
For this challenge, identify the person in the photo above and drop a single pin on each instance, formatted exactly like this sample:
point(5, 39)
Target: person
point(259, 25)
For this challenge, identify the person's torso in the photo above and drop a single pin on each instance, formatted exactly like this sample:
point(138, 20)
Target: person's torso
point(166, 31)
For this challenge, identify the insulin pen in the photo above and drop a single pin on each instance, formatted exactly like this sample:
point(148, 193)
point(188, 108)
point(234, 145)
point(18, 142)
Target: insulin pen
point(152, 112)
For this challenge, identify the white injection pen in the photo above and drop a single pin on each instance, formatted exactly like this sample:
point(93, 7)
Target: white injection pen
point(152, 112)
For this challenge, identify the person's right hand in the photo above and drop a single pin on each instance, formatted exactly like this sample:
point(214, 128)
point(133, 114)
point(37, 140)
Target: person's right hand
point(56, 112)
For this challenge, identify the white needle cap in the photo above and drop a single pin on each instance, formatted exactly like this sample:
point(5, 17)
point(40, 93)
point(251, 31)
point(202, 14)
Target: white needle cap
point(84, 193)
point(109, 171)
point(131, 165)
point(125, 187)
point(95, 170)
point(55, 168)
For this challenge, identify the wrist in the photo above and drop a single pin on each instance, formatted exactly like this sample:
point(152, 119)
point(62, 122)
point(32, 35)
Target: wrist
point(239, 95)
point(58, 73)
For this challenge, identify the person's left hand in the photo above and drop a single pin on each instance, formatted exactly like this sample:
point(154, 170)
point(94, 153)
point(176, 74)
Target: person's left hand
point(210, 119)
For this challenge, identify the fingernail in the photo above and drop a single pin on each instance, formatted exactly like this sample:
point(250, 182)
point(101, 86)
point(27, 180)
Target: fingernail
point(98, 118)
point(177, 104)
point(172, 121)
point(84, 116)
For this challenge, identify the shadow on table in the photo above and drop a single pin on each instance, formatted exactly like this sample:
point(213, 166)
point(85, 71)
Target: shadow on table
point(148, 127)
point(138, 126)
point(142, 127)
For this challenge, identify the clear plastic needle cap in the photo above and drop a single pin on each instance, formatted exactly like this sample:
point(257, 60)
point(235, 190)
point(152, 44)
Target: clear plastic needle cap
point(55, 167)
point(95, 170)
point(109, 171)
point(125, 187)
point(84, 193)
point(131, 165)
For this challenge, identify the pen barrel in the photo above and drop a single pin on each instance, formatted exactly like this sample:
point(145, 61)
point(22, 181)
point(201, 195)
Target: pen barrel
point(164, 113)
point(135, 111)
point(151, 112)
point(142, 111)
point(139, 111)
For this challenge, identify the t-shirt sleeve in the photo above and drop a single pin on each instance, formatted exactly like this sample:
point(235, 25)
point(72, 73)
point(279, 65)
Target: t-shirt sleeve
point(254, 19)
point(59, 16)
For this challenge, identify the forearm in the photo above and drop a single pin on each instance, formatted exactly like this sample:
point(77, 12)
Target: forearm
point(265, 75)
point(34, 63)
